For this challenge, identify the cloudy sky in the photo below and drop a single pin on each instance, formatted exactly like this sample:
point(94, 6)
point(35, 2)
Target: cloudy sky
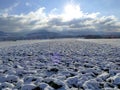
point(60, 15)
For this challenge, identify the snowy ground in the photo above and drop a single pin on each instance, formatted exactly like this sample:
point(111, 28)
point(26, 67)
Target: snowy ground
point(64, 64)
point(113, 42)
point(18, 42)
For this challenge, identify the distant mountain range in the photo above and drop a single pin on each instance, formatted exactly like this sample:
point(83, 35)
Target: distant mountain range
point(44, 34)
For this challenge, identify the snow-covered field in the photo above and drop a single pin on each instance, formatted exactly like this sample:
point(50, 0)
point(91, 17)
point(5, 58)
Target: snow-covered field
point(63, 64)
point(113, 42)
point(18, 42)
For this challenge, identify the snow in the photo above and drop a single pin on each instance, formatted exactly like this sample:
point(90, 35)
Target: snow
point(72, 81)
point(12, 79)
point(18, 42)
point(60, 64)
point(91, 85)
point(28, 87)
point(6, 85)
point(113, 42)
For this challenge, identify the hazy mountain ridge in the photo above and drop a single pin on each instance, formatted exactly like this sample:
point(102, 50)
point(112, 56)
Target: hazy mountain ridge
point(45, 34)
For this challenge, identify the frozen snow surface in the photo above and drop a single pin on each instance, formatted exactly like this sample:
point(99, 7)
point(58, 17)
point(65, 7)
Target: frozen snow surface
point(60, 64)
point(18, 42)
point(113, 42)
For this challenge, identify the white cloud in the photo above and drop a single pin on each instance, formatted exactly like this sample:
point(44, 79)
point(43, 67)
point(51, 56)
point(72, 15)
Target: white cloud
point(78, 20)
point(92, 15)
point(7, 10)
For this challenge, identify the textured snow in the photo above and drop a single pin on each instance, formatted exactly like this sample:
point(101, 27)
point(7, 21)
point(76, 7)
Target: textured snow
point(113, 42)
point(18, 42)
point(64, 64)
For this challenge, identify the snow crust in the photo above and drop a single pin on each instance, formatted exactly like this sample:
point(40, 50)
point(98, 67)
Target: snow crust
point(60, 65)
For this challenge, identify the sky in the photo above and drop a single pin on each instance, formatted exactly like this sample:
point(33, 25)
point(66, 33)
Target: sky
point(60, 15)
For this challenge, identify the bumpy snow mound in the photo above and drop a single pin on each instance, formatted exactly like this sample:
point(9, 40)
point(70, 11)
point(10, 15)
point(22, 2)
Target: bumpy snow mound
point(60, 65)
point(28, 87)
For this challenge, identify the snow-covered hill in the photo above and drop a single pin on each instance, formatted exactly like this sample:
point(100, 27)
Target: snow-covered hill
point(64, 64)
